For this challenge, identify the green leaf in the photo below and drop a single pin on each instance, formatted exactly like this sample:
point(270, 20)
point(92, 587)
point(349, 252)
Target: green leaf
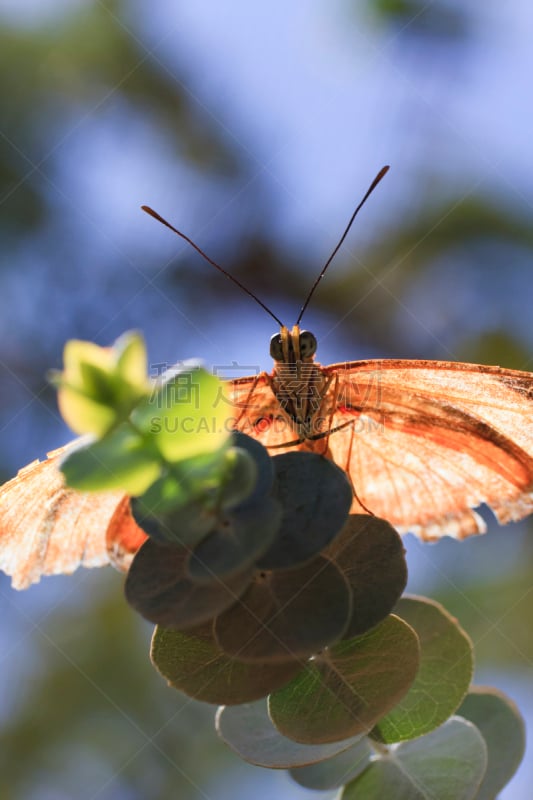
point(197, 479)
point(347, 688)
point(119, 461)
point(370, 554)
point(99, 383)
point(446, 667)
point(99, 386)
point(316, 498)
point(185, 526)
point(238, 477)
point(287, 613)
point(336, 771)
point(263, 462)
point(180, 507)
point(158, 588)
point(168, 493)
point(238, 538)
point(132, 364)
point(249, 731)
point(447, 764)
point(186, 502)
point(187, 415)
point(502, 728)
point(191, 501)
point(193, 663)
point(83, 414)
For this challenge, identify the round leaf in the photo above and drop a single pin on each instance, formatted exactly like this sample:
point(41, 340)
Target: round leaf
point(238, 478)
point(336, 771)
point(446, 667)
point(289, 613)
point(502, 728)
point(193, 663)
point(249, 731)
point(131, 360)
point(347, 688)
point(100, 385)
point(158, 588)
point(447, 764)
point(81, 404)
point(186, 415)
point(370, 554)
point(183, 505)
point(83, 414)
point(316, 497)
point(239, 537)
point(184, 527)
point(121, 460)
point(263, 462)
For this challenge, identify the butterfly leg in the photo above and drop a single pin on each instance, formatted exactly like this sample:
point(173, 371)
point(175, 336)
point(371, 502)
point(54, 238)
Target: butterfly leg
point(333, 406)
point(246, 404)
point(347, 467)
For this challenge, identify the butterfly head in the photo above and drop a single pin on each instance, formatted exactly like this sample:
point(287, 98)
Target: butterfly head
point(293, 346)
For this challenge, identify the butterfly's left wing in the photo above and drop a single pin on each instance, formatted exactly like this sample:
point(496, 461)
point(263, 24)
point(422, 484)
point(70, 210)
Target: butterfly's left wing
point(426, 442)
point(47, 528)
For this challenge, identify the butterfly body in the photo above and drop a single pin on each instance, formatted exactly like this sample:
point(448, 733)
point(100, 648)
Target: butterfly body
point(299, 385)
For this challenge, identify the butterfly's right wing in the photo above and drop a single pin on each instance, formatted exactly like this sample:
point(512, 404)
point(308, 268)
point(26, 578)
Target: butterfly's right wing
point(48, 529)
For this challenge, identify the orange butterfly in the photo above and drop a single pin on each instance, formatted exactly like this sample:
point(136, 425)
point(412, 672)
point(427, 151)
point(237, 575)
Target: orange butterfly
point(423, 443)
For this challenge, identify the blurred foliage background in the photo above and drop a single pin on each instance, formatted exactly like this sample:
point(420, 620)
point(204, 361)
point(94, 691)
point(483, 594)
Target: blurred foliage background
point(256, 129)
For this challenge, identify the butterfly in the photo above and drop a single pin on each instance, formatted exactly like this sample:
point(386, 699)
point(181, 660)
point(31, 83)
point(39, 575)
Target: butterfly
point(423, 444)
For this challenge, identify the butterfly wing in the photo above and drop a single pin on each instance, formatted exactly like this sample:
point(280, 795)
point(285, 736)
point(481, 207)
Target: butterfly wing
point(424, 442)
point(258, 411)
point(47, 528)
point(431, 440)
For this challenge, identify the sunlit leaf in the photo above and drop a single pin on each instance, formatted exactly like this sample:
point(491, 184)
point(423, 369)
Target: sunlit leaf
point(444, 675)
point(99, 386)
point(347, 688)
point(131, 360)
point(187, 415)
point(193, 663)
point(119, 461)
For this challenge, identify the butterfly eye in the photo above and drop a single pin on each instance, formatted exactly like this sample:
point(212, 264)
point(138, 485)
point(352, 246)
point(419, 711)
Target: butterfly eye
point(308, 344)
point(276, 348)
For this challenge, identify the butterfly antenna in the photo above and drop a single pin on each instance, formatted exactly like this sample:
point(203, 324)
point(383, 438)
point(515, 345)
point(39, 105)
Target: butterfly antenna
point(160, 219)
point(381, 174)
